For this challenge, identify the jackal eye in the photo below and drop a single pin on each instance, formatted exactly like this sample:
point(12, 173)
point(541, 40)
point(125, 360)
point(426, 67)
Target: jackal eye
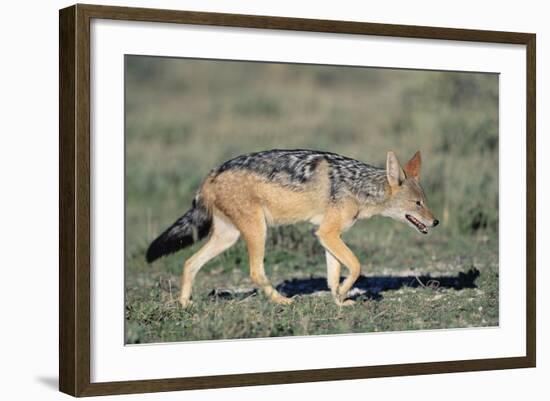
point(418, 203)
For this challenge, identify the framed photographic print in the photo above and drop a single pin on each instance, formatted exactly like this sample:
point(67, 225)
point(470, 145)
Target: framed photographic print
point(250, 200)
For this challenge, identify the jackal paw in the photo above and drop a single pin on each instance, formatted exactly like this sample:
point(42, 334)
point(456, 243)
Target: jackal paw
point(186, 303)
point(281, 299)
point(342, 301)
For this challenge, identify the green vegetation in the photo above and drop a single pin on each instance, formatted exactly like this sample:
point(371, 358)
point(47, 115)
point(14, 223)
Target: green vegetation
point(183, 117)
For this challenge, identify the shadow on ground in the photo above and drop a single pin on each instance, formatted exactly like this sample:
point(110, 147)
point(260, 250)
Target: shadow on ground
point(365, 287)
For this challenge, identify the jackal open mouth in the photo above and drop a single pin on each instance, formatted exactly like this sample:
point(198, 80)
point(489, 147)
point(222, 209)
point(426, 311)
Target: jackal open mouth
point(419, 226)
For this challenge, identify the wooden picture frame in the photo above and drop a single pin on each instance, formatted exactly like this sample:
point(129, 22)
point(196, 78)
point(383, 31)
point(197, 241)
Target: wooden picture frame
point(75, 207)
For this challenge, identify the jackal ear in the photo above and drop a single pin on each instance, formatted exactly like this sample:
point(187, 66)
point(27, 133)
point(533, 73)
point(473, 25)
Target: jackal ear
point(412, 168)
point(394, 172)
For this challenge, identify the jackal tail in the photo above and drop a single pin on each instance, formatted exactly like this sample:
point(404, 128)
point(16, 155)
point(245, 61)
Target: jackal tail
point(188, 229)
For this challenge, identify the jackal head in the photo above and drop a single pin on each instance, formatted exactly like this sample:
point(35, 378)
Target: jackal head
point(407, 202)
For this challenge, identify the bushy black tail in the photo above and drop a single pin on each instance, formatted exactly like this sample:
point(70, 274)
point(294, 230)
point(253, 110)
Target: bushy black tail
point(189, 228)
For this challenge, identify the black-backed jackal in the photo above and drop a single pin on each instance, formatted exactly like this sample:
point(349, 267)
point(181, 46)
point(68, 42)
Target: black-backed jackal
point(247, 194)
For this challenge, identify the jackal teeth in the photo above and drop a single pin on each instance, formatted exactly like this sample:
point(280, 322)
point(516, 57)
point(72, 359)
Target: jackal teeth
point(419, 226)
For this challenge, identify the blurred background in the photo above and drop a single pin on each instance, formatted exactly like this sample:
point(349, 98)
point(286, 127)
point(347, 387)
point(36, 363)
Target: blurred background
point(185, 116)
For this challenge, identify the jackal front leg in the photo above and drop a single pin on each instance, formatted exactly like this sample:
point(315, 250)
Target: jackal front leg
point(336, 251)
point(333, 273)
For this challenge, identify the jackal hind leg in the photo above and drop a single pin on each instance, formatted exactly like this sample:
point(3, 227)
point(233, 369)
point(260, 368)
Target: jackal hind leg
point(254, 231)
point(339, 251)
point(223, 236)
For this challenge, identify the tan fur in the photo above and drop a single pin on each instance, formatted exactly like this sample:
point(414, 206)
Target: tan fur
point(333, 273)
point(337, 219)
point(236, 193)
point(223, 236)
point(244, 203)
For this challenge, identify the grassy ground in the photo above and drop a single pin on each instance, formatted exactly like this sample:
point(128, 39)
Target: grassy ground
point(183, 117)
